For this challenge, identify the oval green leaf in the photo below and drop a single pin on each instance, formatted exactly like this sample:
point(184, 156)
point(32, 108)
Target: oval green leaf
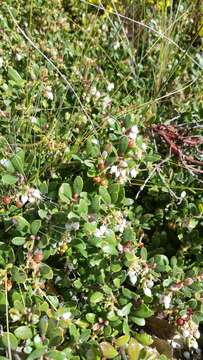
point(78, 185)
point(23, 332)
point(18, 240)
point(8, 339)
point(108, 350)
point(96, 297)
point(134, 349)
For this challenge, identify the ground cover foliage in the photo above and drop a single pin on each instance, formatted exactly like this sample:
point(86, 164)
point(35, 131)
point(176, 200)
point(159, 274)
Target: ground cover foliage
point(101, 208)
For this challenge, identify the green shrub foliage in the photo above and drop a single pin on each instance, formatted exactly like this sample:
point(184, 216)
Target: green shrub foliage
point(100, 215)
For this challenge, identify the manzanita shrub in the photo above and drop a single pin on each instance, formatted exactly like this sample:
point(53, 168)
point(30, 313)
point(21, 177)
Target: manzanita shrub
point(100, 219)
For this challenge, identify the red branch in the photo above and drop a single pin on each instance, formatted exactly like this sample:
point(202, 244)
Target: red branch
point(175, 140)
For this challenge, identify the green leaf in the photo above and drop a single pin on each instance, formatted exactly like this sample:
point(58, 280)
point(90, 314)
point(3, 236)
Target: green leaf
point(134, 349)
point(18, 275)
point(144, 312)
point(9, 339)
point(105, 195)
point(108, 248)
point(56, 336)
point(108, 351)
point(138, 321)
point(197, 317)
point(18, 240)
point(65, 192)
point(78, 185)
point(35, 226)
point(23, 332)
point(90, 228)
point(122, 340)
point(15, 76)
point(144, 338)
point(114, 191)
point(46, 271)
point(123, 144)
point(43, 325)
point(42, 214)
point(143, 253)
point(96, 297)
point(96, 203)
point(93, 354)
point(18, 161)
point(56, 355)
point(162, 263)
point(83, 207)
point(90, 317)
point(37, 354)
point(22, 224)
point(92, 149)
point(8, 179)
point(125, 310)
point(128, 234)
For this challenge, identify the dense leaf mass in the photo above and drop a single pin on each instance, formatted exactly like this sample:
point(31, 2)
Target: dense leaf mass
point(101, 206)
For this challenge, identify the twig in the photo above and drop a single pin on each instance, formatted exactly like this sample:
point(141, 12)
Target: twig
point(150, 176)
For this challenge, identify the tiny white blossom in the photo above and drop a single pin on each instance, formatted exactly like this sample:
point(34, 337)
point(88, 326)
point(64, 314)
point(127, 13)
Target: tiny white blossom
point(183, 194)
point(133, 132)
point(33, 195)
point(48, 93)
point(66, 315)
point(133, 277)
point(110, 86)
point(167, 301)
point(95, 141)
point(186, 333)
point(72, 226)
point(36, 194)
point(134, 129)
point(144, 146)
point(33, 120)
point(197, 334)
point(116, 45)
point(150, 283)
point(104, 154)
point(133, 173)
point(120, 227)
point(147, 292)
point(177, 342)
point(106, 102)
point(18, 57)
point(103, 229)
point(58, 279)
point(4, 162)
point(93, 90)
point(23, 199)
point(98, 233)
point(111, 121)
point(76, 226)
point(114, 169)
point(98, 95)
point(123, 164)
point(104, 27)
